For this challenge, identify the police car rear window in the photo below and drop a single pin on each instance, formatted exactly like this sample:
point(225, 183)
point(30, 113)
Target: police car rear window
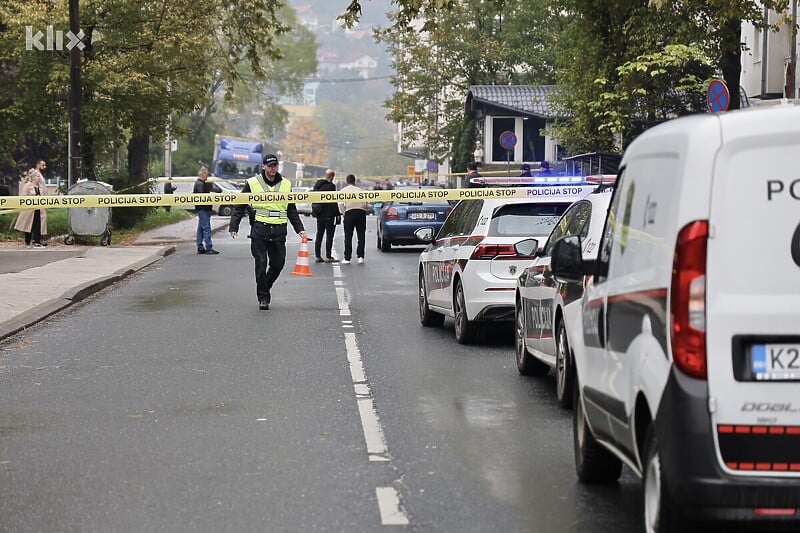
point(526, 220)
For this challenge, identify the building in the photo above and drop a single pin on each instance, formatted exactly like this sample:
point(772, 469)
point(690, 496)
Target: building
point(523, 110)
point(769, 59)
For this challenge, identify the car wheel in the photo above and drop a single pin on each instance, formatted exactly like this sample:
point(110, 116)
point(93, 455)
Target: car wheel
point(225, 210)
point(527, 365)
point(386, 246)
point(660, 515)
point(565, 372)
point(593, 463)
point(426, 316)
point(379, 240)
point(466, 330)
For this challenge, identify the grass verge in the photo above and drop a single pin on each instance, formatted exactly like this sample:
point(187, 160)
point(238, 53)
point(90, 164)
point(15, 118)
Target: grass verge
point(58, 226)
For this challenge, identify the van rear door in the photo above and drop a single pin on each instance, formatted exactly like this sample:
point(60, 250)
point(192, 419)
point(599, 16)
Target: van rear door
point(753, 291)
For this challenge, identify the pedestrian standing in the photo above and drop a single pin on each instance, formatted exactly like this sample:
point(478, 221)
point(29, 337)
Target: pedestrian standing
point(268, 231)
point(327, 215)
point(169, 188)
point(202, 186)
point(32, 222)
point(38, 176)
point(545, 169)
point(355, 218)
point(525, 171)
point(473, 178)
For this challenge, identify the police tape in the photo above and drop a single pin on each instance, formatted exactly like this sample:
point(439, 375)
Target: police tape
point(406, 195)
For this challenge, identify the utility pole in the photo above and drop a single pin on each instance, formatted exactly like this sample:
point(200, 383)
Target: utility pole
point(791, 93)
point(75, 96)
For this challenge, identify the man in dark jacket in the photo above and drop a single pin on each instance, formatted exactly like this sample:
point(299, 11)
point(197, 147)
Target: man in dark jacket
point(268, 230)
point(473, 178)
point(202, 186)
point(326, 215)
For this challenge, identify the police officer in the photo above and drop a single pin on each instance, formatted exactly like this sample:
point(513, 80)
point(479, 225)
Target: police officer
point(268, 232)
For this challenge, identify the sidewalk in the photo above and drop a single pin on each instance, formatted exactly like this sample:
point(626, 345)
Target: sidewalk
point(30, 277)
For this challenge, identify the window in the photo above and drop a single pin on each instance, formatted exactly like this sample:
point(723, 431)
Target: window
point(574, 222)
point(499, 125)
point(526, 220)
point(462, 219)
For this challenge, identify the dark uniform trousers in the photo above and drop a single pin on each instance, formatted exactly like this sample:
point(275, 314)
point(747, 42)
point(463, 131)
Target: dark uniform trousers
point(268, 246)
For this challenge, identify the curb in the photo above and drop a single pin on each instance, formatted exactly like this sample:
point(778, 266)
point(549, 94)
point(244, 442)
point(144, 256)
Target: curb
point(76, 294)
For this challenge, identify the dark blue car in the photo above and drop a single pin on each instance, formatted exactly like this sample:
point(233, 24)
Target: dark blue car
point(397, 221)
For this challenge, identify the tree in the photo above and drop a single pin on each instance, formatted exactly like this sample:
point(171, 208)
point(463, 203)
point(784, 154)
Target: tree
point(496, 42)
point(305, 143)
point(603, 49)
point(151, 60)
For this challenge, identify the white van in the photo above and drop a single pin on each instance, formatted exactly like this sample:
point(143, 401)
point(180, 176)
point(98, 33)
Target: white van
point(688, 364)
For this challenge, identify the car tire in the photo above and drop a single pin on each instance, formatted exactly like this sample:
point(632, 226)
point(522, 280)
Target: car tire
point(660, 515)
point(427, 317)
point(593, 463)
point(565, 370)
point(467, 331)
point(379, 240)
point(386, 246)
point(225, 210)
point(527, 365)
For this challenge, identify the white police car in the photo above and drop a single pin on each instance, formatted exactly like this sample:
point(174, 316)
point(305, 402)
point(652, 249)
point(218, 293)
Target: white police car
point(469, 271)
point(545, 308)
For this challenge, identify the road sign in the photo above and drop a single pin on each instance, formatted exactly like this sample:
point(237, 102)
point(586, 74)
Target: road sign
point(432, 166)
point(717, 96)
point(508, 140)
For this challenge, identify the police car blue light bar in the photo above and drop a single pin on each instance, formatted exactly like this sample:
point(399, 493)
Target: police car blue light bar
point(537, 181)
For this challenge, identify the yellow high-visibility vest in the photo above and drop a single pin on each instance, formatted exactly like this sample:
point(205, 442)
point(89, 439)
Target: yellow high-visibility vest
point(273, 212)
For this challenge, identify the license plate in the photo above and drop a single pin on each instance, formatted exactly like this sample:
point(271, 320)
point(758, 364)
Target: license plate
point(775, 362)
point(422, 216)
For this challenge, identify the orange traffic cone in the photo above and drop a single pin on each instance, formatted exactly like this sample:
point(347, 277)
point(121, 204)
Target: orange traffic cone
point(301, 267)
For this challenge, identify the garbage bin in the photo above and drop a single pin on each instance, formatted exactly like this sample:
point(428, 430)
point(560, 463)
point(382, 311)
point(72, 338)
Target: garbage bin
point(89, 220)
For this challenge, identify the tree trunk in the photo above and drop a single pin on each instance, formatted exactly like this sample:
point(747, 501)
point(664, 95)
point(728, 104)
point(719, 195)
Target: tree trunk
point(138, 158)
point(730, 60)
point(87, 149)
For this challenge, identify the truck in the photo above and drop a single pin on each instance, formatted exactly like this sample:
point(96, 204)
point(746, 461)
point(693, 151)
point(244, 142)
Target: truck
point(237, 158)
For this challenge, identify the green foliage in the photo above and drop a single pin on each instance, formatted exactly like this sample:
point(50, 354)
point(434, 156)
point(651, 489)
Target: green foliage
point(468, 43)
point(463, 146)
point(58, 224)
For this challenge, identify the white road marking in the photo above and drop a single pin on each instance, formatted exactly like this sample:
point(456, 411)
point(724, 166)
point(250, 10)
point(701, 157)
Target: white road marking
point(389, 505)
point(354, 358)
point(377, 450)
point(341, 296)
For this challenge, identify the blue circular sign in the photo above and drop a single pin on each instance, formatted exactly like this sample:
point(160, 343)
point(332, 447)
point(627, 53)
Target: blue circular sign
point(508, 140)
point(717, 97)
point(432, 166)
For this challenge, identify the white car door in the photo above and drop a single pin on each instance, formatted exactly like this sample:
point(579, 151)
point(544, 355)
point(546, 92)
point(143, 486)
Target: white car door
point(442, 256)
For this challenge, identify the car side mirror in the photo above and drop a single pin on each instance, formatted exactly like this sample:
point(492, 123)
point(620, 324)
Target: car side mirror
point(527, 248)
point(567, 261)
point(425, 234)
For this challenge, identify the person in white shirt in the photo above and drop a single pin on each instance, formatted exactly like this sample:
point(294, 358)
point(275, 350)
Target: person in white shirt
point(355, 218)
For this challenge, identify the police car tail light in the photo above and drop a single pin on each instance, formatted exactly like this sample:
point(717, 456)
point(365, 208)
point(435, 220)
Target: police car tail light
point(492, 251)
point(390, 213)
point(687, 300)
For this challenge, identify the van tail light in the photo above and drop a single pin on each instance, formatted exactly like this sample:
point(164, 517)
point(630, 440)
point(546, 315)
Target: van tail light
point(390, 213)
point(492, 251)
point(688, 300)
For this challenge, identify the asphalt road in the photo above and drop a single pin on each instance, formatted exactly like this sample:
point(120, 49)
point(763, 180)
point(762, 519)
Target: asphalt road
point(169, 402)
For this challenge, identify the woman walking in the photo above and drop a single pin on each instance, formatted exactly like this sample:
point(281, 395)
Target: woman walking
point(32, 222)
